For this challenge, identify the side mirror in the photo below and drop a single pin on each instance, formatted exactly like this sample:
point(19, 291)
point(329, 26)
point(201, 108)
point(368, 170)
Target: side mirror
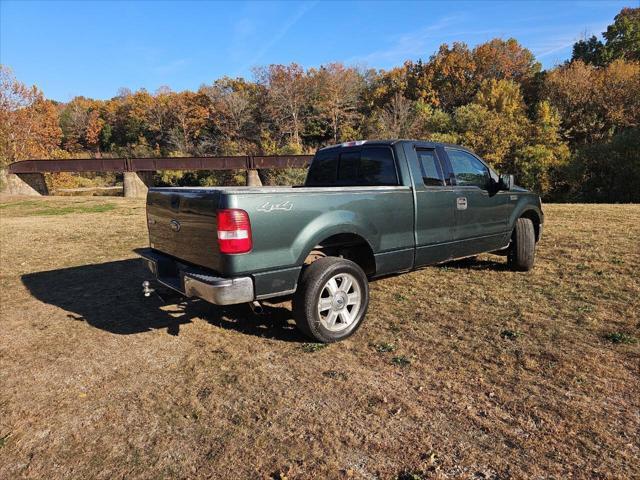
point(505, 182)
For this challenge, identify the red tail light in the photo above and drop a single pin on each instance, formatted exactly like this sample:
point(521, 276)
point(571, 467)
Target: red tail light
point(234, 231)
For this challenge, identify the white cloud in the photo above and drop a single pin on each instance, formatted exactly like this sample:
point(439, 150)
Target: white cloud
point(280, 34)
point(554, 42)
point(407, 45)
point(547, 40)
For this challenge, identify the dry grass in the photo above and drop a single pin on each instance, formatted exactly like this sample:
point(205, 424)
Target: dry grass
point(461, 371)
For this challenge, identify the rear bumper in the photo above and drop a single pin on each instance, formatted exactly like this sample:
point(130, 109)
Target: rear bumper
point(196, 282)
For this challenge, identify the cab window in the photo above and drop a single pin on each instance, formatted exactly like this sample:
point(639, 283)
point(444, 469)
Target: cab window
point(322, 170)
point(431, 168)
point(367, 166)
point(348, 170)
point(468, 170)
point(377, 166)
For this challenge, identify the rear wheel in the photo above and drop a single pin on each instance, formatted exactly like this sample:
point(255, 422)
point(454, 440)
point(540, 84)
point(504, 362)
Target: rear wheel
point(521, 252)
point(331, 300)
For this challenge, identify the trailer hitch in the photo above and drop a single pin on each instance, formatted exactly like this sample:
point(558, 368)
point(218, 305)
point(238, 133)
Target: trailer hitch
point(146, 288)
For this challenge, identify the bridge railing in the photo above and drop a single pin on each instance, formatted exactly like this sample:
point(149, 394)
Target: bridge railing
point(26, 176)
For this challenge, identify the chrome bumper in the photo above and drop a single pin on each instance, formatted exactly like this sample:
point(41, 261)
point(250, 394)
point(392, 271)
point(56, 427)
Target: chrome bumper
point(221, 291)
point(194, 282)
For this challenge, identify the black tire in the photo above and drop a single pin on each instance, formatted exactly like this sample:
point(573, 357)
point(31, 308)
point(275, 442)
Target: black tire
point(521, 253)
point(313, 284)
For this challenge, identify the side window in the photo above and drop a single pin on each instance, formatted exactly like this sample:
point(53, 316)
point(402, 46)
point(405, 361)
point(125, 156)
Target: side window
point(377, 166)
point(431, 168)
point(323, 168)
point(469, 171)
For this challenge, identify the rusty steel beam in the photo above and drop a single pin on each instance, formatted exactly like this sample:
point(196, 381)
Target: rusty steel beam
point(187, 163)
point(75, 165)
point(160, 163)
point(281, 161)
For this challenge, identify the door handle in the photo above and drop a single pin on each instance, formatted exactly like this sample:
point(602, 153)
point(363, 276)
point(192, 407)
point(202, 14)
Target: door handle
point(461, 203)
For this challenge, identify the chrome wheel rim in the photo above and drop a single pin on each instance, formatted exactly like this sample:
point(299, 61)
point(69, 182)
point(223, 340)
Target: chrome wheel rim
point(339, 303)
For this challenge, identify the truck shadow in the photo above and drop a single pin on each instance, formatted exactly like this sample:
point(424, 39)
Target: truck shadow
point(109, 296)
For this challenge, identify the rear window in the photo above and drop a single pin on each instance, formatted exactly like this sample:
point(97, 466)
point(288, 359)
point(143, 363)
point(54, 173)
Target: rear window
point(364, 167)
point(323, 169)
point(348, 169)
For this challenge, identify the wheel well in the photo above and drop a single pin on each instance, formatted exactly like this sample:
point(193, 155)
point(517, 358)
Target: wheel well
point(346, 245)
point(533, 216)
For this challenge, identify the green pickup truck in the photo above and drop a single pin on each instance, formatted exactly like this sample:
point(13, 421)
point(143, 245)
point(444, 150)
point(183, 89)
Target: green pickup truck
point(368, 209)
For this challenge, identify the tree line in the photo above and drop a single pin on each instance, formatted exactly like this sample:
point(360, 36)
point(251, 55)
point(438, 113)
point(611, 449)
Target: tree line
point(571, 133)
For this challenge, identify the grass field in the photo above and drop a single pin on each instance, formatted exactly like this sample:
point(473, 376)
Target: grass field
point(465, 370)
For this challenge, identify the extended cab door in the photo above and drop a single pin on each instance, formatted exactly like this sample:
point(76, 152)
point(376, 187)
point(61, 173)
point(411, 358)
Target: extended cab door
point(434, 204)
point(481, 212)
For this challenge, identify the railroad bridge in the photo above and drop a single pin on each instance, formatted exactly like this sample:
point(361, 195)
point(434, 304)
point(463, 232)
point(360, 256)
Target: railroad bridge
point(26, 177)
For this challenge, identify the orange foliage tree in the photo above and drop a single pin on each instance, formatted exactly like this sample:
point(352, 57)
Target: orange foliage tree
point(28, 122)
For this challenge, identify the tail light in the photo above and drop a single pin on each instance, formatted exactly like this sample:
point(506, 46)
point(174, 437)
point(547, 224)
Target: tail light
point(234, 231)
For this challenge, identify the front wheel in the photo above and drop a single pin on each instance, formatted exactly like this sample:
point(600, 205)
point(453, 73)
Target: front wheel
point(331, 300)
point(521, 251)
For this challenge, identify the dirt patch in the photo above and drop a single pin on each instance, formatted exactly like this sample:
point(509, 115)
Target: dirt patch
point(465, 370)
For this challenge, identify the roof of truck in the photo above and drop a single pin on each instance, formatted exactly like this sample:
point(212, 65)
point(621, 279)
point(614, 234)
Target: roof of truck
point(357, 143)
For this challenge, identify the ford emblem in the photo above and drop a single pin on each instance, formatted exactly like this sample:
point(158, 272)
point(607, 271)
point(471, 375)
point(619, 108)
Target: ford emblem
point(175, 225)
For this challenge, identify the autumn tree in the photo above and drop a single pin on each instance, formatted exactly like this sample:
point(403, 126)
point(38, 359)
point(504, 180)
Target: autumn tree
point(380, 90)
point(287, 89)
point(158, 116)
point(233, 112)
point(384, 85)
point(619, 98)
point(130, 129)
point(93, 132)
point(541, 160)
point(419, 83)
point(28, 122)
point(434, 124)
point(495, 123)
point(504, 60)
point(621, 41)
point(501, 96)
point(73, 120)
point(189, 116)
point(595, 103)
point(623, 36)
point(397, 119)
point(508, 60)
point(81, 124)
point(338, 90)
point(451, 73)
point(454, 74)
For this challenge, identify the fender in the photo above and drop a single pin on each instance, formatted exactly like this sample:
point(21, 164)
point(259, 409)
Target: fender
point(524, 206)
point(333, 223)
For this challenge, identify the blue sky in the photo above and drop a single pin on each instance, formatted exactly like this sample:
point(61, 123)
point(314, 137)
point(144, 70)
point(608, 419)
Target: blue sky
point(94, 48)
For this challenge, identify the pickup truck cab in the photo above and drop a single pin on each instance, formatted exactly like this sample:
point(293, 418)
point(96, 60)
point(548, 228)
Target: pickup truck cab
point(368, 209)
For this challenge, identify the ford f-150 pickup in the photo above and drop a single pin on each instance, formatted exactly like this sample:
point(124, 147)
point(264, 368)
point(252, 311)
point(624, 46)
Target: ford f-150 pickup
point(367, 209)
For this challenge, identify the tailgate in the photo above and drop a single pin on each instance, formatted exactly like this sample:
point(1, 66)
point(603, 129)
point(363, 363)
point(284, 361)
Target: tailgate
point(182, 223)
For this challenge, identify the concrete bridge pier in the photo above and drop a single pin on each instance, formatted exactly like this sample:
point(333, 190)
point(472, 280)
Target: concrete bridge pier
point(253, 179)
point(24, 183)
point(136, 184)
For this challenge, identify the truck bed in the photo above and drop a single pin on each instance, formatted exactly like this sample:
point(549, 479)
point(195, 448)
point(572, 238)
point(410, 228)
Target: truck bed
point(286, 223)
